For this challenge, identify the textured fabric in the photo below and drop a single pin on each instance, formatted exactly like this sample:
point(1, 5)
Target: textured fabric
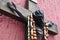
point(11, 29)
point(22, 3)
point(51, 12)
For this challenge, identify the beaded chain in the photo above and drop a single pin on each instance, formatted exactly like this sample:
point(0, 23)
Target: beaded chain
point(33, 28)
point(46, 32)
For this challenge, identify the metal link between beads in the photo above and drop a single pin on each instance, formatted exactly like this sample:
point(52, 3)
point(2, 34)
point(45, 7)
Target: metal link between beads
point(33, 28)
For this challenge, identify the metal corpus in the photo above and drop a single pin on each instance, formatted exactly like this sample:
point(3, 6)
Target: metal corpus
point(33, 28)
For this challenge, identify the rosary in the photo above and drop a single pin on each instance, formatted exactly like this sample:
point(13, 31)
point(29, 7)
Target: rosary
point(31, 28)
point(32, 35)
point(46, 31)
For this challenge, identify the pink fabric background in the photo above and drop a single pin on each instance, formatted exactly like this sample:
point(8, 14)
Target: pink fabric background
point(11, 29)
point(51, 12)
point(20, 2)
